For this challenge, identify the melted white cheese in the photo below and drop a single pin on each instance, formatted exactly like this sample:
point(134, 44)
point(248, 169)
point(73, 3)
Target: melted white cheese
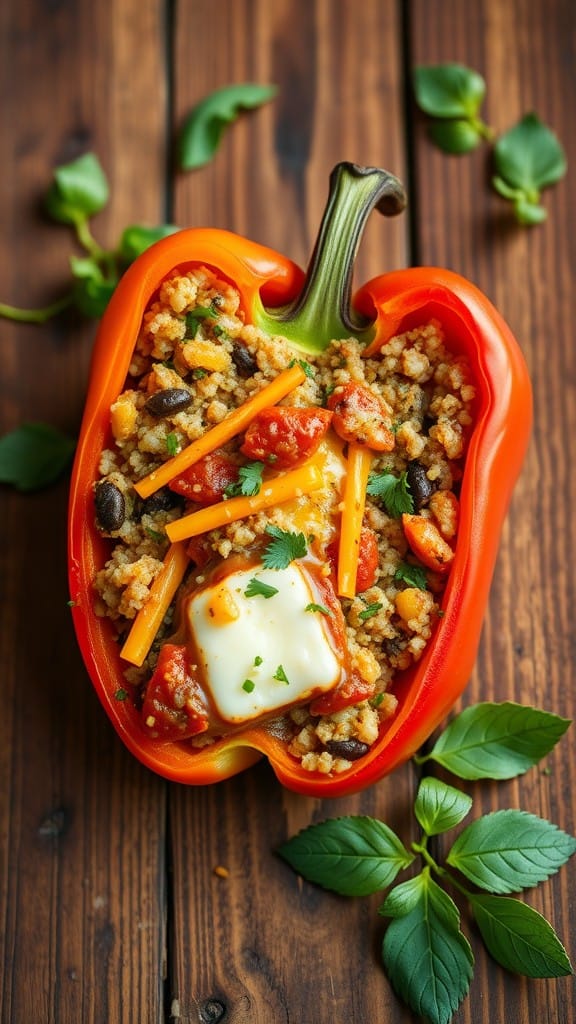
point(260, 654)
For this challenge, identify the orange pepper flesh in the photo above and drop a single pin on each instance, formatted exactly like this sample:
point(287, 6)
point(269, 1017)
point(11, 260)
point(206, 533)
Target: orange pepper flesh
point(394, 302)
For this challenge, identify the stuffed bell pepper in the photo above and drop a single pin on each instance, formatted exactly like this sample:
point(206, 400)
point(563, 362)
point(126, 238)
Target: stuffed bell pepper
point(287, 500)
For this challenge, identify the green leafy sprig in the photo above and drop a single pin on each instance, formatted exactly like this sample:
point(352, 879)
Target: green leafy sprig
point(78, 192)
point(34, 455)
point(428, 959)
point(527, 159)
point(205, 126)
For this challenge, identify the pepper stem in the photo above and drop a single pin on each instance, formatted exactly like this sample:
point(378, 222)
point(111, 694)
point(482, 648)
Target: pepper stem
point(322, 311)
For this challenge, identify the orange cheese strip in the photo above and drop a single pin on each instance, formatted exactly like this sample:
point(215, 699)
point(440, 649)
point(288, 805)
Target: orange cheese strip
point(306, 478)
point(359, 462)
point(149, 618)
point(233, 424)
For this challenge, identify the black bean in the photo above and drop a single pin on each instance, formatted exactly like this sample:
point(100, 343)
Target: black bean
point(168, 402)
point(349, 749)
point(110, 507)
point(162, 501)
point(421, 488)
point(244, 361)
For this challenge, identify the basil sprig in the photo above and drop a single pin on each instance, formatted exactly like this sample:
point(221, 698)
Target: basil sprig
point(425, 953)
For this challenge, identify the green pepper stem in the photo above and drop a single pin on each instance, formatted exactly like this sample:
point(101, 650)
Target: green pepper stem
point(323, 311)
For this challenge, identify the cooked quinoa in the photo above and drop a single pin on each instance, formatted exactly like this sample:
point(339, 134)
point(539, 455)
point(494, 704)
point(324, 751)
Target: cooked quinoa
point(195, 351)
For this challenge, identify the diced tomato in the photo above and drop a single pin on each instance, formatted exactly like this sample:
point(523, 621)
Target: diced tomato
point(367, 559)
point(353, 690)
point(427, 542)
point(206, 480)
point(285, 435)
point(173, 707)
point(361, 417)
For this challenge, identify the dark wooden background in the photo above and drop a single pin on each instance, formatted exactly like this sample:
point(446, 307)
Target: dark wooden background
point(110, 910)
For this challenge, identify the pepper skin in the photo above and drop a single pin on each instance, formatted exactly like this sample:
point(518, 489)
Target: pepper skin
point(268, 284)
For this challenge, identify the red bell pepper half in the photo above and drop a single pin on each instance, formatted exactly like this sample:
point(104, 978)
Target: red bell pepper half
point(310, 310)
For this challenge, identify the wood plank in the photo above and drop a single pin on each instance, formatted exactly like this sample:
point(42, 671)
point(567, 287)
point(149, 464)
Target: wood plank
point(258, 945)
point(523, 50)
point(82, 869)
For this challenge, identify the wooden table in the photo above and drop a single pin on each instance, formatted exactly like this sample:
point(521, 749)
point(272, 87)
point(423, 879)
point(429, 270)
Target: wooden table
point(111, 911)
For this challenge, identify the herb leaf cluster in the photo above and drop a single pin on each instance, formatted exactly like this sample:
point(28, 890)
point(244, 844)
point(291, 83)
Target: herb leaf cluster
point(527, 158)
point(427, 957)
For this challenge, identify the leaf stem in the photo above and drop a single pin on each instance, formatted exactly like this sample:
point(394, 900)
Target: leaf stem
point(36, 316)
point(87, 240)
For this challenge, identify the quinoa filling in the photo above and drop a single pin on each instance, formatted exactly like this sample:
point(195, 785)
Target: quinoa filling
point(411, 406)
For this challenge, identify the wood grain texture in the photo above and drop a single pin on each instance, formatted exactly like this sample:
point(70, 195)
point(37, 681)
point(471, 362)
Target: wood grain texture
point(111, 909)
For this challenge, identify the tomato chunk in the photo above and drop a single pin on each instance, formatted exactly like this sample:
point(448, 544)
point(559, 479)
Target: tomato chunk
point(285, 435)
point(353, 690)
point(361, 417)
point(427, 542)
point(173, 707)
point(206, 481)
point(367, 559)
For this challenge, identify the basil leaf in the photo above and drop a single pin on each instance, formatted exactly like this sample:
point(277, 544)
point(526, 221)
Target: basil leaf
point(510, 850)
point(449, 90)
point(354, 856)
point(79, 190)
point(439, 807)
point(34, 455)
point(518, 937)
point(529, 157)
point(138, 237)
point(496, 741)
point(205, 125)
point(427, 958)
point(456, 137)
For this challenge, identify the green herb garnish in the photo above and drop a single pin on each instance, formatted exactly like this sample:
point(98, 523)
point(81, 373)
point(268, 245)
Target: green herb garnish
point(412, 575)
point(370, 611)
point(172, 444)
point(196, 317)
point(206, 124)
point(452, 95)
point(256, 588)
point(258, 661)
point(281, 676)
point(304, 365)
point(313, 607)
point(249, 481)
point(392, 491)
point(500, 853)
point(527, 159)
point(34, 455)
point(248, 685)
point(283, 549)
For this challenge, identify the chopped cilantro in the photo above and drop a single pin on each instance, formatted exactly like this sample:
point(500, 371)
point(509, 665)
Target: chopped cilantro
point(258, 660)
point(283, 548)
point(172, 444)
point(196, 316)
point(303, 366)
point(281, 676)
point(248, 685)
point(312, 607)
point(256, 588)
point(377, 700)
point(413, 575)
point(392, 491)
point(370, 611)
point(199, 372)
point(249, 481)
point(121, 694)
point(155, 535)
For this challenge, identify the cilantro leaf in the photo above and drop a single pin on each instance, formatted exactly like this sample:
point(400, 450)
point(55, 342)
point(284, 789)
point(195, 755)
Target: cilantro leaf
point(283, 549)
point(139, 237)
point(79, 190)
point(510, 850)
point(392, 491)
point(281, 676)
point(313, 607)
point(428, 959)
point(257, 588)
point(205, 126)
point(412, 575)
point(370, 611)
point(518, 937)
point(249, 481)
point(34, 455)
point(527, 159)
point(196, 316)
point(496, 741)
point(172, 444)
point(352, 855)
